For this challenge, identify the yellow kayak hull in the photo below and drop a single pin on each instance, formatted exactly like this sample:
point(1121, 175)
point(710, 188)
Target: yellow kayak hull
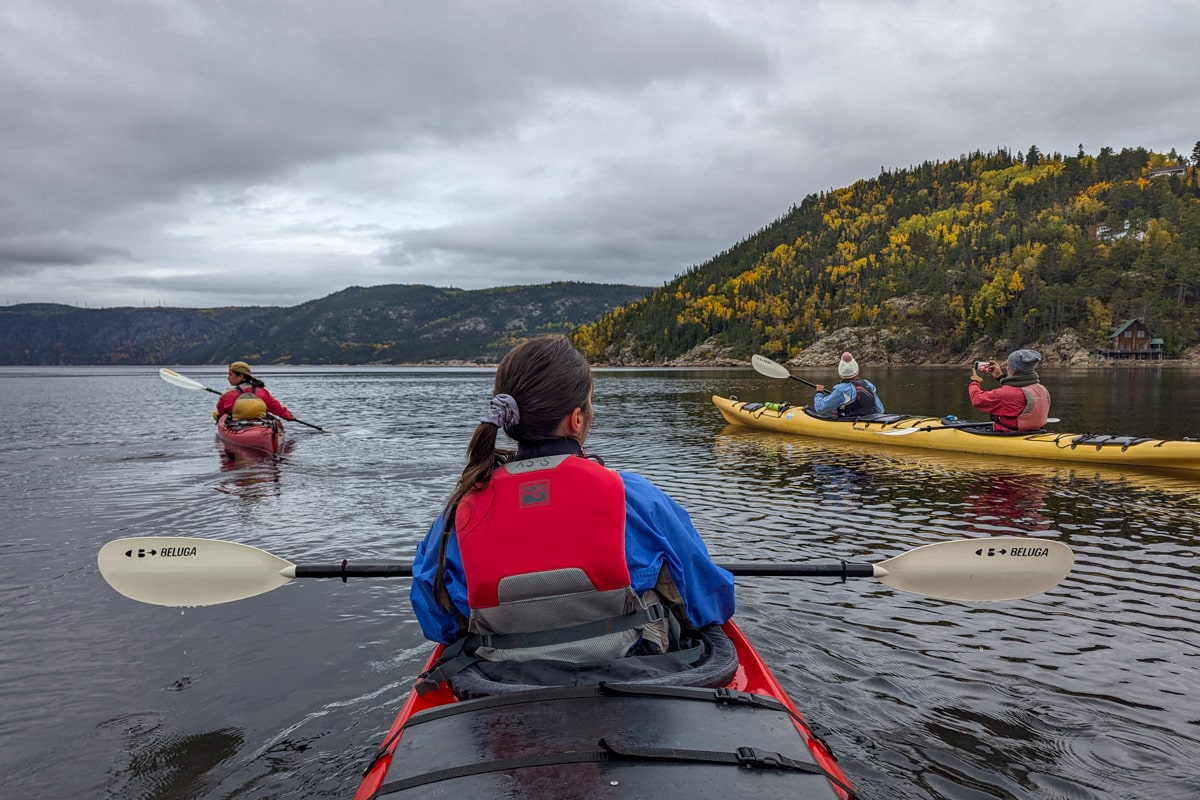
point(931, 435)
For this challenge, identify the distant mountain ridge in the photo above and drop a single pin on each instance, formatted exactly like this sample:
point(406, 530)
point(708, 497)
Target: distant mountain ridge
point(391, 324)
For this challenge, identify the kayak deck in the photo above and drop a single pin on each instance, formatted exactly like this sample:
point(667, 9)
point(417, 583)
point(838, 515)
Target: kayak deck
point(611, 740)
point(932, 433)
point(619, 740)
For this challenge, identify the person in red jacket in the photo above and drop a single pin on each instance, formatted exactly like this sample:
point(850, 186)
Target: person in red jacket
point(249, 399)
point(1020, 403)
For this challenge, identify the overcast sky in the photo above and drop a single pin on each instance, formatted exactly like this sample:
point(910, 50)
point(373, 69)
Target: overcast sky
point(269, 152)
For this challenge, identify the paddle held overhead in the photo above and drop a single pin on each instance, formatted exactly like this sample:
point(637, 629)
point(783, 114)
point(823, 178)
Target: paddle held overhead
point(184, 571)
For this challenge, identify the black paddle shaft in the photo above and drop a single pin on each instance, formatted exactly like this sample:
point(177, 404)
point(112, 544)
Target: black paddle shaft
point(346, 570)
point(840, 569)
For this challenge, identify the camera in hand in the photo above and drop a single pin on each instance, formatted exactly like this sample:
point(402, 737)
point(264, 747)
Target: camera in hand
point(983, 366)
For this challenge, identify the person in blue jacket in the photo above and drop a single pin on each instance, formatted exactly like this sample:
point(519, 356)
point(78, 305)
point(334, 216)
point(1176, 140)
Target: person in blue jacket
point(542, 400)
point(852, 397)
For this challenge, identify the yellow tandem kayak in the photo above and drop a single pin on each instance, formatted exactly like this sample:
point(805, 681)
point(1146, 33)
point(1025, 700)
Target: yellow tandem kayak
point(933, 433)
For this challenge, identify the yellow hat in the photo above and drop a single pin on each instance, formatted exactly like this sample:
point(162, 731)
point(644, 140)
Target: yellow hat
point(242, 367)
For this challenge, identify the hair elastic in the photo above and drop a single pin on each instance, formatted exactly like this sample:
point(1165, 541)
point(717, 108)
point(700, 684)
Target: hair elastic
point(502, 411)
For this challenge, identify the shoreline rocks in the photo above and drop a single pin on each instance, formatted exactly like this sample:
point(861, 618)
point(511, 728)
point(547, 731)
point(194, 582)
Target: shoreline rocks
point(882, 347)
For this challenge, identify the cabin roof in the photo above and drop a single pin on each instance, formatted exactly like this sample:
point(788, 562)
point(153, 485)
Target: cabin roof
point(1121, 328)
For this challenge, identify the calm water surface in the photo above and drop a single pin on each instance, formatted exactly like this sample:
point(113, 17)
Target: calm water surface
point(1091, 690)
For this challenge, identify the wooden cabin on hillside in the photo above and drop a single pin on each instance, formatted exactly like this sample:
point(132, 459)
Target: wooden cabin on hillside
point(1132, 339)
point(1173, 169)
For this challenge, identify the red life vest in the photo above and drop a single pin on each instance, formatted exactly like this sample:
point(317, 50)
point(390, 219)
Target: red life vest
point(543, 552)
point(539, 515)
point(1037, 408)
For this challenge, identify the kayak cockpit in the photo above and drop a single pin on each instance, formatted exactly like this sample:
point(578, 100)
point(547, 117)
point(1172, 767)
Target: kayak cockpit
point(715, 666)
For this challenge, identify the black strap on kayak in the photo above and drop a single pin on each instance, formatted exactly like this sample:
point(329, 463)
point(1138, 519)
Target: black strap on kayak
point(747, 757)
point(721, 695)
point(742, 757)
point(725, 696)
point(523, 762)
point(452, 660)
point(1101, 440)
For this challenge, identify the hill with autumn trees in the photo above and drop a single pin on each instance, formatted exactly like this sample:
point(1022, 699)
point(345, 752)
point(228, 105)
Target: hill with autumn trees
point(930, 261)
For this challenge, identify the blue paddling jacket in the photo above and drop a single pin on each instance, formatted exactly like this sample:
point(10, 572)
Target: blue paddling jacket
point(847, 399)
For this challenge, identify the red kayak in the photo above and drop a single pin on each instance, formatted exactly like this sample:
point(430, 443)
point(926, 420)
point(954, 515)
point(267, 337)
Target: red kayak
point(611, 740)
point(257, 435)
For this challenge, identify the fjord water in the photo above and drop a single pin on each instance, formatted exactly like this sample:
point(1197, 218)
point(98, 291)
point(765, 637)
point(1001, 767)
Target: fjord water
point(1091, 690)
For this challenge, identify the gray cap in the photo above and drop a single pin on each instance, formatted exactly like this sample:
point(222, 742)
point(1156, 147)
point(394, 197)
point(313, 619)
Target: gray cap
point(1024, 362)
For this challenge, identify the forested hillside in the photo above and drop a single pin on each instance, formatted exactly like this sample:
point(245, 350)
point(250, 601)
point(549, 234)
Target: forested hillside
point(992, 245)
point(396, 324)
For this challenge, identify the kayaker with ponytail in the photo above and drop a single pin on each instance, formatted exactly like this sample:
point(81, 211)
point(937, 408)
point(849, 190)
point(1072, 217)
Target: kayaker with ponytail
point(542, 556)
point(249, 399)
point(852, 397)
point(1021, 403)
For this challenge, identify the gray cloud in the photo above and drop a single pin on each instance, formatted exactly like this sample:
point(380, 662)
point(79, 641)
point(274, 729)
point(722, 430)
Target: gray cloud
point(216, 153)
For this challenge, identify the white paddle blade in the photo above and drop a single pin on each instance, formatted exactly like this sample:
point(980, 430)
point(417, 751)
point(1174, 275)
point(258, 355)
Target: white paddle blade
point(982, 570)
point(171, 376)
point(182, 571)
point(772, 369)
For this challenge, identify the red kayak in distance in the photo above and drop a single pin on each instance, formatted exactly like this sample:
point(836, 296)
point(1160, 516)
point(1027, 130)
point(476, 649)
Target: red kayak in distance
point(611, 740)
point(256, 435)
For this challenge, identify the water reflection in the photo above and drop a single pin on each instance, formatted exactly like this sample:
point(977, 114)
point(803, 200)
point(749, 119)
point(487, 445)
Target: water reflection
point(164, 764)
point(251, 474)
point(1007, 504)
point(833, 475)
